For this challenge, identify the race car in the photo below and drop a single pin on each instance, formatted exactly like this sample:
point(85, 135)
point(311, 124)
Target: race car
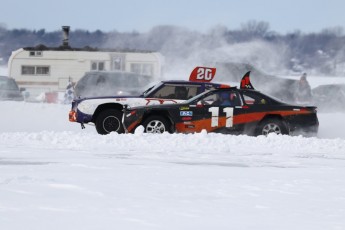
point(106, 112)
point(229, 111)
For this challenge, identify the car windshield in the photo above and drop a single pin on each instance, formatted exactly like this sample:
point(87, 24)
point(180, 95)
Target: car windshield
point(7, 84)
point(151, 87)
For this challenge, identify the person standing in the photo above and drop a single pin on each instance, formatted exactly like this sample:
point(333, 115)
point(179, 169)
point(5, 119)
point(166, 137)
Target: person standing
point(303, 90)
point(69, 93)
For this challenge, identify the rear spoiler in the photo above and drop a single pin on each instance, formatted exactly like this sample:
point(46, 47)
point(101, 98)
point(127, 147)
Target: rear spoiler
point(245, 82)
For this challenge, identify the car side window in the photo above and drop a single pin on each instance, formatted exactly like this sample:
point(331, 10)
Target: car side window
point(193, 90)
point(222, 98)
point(227, 98)
point(179, 92)
point(166, 92)
point(254, 99)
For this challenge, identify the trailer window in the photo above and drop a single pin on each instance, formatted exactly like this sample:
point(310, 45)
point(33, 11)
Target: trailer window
point(28, 70)
point(42, 70)
point(35, 70)
point(97, 65)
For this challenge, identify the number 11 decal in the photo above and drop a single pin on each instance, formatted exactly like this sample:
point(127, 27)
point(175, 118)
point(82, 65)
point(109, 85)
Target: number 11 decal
point(229, 113)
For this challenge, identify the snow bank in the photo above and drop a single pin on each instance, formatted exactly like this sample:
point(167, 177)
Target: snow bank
point(274, 150)
point(46, 126)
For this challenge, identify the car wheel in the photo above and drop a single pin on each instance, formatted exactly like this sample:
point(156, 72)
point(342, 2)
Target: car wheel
point(156, 124)
point(272, 126)
point(109, 120)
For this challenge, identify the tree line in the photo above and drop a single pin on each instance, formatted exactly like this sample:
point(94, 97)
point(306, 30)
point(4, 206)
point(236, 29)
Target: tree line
point(254, 43)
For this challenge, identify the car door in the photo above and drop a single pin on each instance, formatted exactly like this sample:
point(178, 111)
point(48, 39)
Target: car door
point(210, 114)
point(256, 106)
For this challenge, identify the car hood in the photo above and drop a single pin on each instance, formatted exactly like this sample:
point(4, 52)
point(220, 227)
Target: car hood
point(106, 97)
point(160, 106)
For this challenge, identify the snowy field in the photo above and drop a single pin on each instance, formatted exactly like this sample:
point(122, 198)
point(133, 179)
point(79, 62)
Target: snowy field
point(54, 175)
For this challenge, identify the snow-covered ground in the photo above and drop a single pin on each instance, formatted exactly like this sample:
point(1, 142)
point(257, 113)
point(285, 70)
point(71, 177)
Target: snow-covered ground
point(54, 175)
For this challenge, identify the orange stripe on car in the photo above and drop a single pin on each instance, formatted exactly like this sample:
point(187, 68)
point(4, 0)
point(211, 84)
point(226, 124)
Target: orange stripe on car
point(132, 126)
point(199, 125)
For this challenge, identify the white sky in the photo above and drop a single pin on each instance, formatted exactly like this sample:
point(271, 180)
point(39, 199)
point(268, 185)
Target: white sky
point(201, 15)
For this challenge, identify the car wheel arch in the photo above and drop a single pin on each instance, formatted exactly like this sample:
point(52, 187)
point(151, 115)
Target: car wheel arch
point(104, 107)
point(272, 117)
point(163, 114)
point(109, 120)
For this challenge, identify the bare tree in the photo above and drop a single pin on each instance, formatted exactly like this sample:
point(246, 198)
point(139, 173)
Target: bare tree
point(256, 28)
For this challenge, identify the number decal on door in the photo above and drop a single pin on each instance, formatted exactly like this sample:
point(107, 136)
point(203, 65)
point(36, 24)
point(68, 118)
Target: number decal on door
point(214, 116)
point(229, 113)
point(229, 116)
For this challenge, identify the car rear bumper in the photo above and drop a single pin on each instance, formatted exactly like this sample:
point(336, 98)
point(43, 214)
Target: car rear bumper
point(309, 127)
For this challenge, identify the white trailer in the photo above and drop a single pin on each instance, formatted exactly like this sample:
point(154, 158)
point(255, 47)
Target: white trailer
point(49, 69)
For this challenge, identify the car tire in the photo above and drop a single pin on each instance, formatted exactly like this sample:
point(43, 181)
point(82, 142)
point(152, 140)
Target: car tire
point(109, 120)
point(272, 125)
point(157, 124)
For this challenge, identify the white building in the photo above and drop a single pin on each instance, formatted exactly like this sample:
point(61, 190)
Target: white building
point(46, 69)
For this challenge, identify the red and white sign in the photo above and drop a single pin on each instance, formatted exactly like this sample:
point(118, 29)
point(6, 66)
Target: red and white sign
point(202, 74)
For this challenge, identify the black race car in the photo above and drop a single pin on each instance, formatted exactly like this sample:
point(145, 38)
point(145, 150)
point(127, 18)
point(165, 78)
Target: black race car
point(228, 110)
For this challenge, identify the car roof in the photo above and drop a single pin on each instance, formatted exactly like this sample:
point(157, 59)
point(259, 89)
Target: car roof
point(224, 89)
point(191, 82)
point(179, 81)
point(6, 78)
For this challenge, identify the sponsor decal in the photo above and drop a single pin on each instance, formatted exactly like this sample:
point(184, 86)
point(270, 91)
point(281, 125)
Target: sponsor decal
point(186, 113)
point(184, 108)
point(186, 118)
point(155, 101)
